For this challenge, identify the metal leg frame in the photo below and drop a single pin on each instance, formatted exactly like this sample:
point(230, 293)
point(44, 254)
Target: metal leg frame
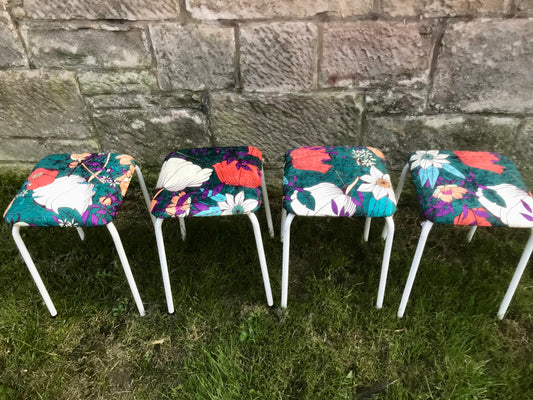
point(470, 234)
point(283, 218)
point(397, 193)
point(163, 261)
point(267, 205)
point(146, 196)
point(368, 220)
point(126, 267)
point(81, 233)
point(386, 260)
point(286, 229)
point(426, 227)
point(526, 254)
point(262, 259)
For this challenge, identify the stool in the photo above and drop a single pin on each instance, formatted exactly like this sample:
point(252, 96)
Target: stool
point(472, 188)
point(74, 190)
point(337, 181)
point(208, 182)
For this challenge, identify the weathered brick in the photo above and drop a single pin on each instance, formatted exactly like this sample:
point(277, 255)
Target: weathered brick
point(95, 49)
point(114, 10)
point(375, 53)
point(194, 57)
point(250, 9)
point(485, 65)
point(11, 50)
point(397, 136)
point(32, 150)
point(397, 99)
point(431, 8)
point(92, 83)
point(524, 7)
point(276, 123)
point(278, 56)
point(149, 135)
point(42, 104)
point(192, 100)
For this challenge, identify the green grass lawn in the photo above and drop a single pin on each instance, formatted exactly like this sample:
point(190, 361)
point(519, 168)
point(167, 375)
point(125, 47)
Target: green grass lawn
point(224, 342)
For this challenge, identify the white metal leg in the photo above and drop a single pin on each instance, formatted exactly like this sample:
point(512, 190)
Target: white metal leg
point(262, 258)
point(397, 193)
point(283, 218)
point(267, 205)
point(183, 229)
point(426, 227)
point(126, 266)
point(386, 260)
point(81, 232)
point(163, 261)
point(33, 271)
point(470, 234)
point(526, 254)
point(286, 229)
point(144, 191)
point(368, 220)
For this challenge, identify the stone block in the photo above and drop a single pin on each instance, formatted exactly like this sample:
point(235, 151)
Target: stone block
point(524, 7)
point(397, 99)
point(251, 9)
point(32, 150)
point(42, 104)
point(93, 83)
point(11, 50)
point(149, 135)
point(130, 10)
point(485, 66)
point(194, 57)
point(192, 100)
point(276, 123)
point(88, 48)
point(375, 53)
point(397, 136)
point(278, 56)
point(444, 8)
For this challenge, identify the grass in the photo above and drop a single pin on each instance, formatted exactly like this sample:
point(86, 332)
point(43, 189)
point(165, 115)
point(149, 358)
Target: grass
point(223, 342)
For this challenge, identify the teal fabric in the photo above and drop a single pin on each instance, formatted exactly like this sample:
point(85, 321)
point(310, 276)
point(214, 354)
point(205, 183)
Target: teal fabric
point(72, 190)
point(470, 188)
point(337, 181)
point(207, 182)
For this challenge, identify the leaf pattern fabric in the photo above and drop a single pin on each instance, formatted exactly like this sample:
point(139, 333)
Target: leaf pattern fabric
point(209, 181)
point(72, 190)
point(471, 188)
point(337, 181)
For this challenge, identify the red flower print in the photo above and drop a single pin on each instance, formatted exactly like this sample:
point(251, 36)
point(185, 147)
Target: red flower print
point(471, 217)
point(311, 159)
point(255, 152)
point(238, 173)
point(480, 159)
point(41, 177)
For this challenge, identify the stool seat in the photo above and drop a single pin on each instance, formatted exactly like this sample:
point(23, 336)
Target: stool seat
point(471, 188)
point(72, 190)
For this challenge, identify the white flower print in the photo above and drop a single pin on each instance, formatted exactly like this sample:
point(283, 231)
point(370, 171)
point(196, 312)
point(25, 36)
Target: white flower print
point(329, 200)
point(378, 183)
point(426, 159)
point(68, 191)
point(518, 209)
point(177, 174)
point(234, 205)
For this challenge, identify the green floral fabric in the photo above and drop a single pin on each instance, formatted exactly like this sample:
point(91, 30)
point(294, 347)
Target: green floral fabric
point(471, 188)
point(72, 190)
point(208, 182)
point(337, 181)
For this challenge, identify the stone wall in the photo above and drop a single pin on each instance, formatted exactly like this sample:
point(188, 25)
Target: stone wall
point(151, 76)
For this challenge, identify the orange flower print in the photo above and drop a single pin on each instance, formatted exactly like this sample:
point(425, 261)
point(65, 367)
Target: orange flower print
point(471, 217)
point(78, 158)
point(238, 173)
point(255, 152)
point(41, 177)
point(480, 159)
point(377, 152)
point(177, 207)
point(124, 180)
point(448, 193)
point(311, 159)
point(124, 159)
point(106, 200)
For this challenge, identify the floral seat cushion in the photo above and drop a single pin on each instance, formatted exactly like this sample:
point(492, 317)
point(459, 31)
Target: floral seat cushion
point(72, 190)
point(339, 181)
point(471, 188)
point(209, 182)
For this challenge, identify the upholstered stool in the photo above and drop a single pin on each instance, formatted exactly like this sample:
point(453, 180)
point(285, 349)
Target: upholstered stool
point(337, 181)
point(468, 188)
point(208, 182)
point(74, 190)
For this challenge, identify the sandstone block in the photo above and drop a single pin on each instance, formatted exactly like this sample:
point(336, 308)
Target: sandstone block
point(92, 83)
point(194, 57)
point(149, 135)
point(190, 100)
point(485, 65)
point(524, 7)
point(397, 136)
point(42, 104)
point(278, 56)
point(95, 49)
point(131, 10)
point(11, 50)
point(431, 8)
point(32, 150)
point(249, 9)
point(276, 123)
point(375, 53)
point(397, 99)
